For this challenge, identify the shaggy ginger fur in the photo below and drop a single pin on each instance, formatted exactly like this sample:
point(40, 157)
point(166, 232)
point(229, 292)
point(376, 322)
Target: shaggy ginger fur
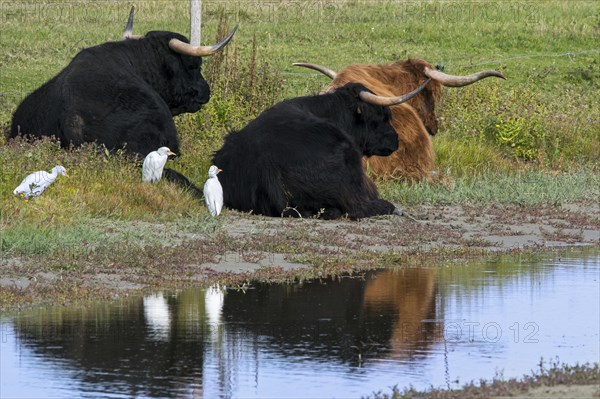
point(413, 121)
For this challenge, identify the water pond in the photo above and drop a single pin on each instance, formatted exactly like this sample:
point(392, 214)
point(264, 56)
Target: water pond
point(440, 326)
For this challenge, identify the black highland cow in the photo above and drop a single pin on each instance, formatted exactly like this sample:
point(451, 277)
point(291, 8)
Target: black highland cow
point(302, 157)
point(121, 93)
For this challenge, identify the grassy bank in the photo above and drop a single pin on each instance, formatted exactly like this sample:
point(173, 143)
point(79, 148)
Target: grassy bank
point(532, 139)
point(551, 380)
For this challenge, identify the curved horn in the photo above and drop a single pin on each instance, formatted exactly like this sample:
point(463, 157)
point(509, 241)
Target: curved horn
point(459, 81)
point(199, 51)
point(324, 70)
point(389, 101)
point(128, 34)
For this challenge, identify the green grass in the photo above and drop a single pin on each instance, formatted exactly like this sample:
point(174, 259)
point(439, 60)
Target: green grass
point(550, 374)
point(531, 139)
point(519, 187)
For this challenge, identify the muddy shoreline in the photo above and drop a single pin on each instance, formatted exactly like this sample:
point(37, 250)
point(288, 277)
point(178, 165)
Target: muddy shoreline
point(241, 248)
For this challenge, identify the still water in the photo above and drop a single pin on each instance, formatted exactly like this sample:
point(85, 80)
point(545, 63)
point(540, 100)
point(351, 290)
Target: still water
point(440, 326)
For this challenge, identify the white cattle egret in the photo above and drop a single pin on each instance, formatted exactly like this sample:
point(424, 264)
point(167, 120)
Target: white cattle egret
point(154, 163)
point(213, 192)
point(35, 184)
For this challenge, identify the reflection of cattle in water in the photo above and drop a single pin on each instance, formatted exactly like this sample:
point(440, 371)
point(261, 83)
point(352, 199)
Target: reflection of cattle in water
point(411, 295)
point(336, 321)
point(316, 320)
point(381, 316)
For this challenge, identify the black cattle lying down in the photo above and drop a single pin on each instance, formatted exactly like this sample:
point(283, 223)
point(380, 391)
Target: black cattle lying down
point(302, 157)
point(121, 94)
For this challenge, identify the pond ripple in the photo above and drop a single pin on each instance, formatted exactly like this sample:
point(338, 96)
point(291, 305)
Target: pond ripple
point(440, 326)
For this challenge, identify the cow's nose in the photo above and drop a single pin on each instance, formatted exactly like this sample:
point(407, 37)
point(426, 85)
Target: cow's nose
point(203, 96)
point(203, 93)
point(432, 129)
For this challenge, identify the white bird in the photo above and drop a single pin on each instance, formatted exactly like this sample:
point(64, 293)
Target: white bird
point(213, 192)
point(35, 184)
point(152, 168)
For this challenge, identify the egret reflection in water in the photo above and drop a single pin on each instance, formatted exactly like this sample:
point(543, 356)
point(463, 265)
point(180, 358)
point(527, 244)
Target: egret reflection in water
point(214, 297)
point(162, 336)
point(312, 338)
point(158, 318)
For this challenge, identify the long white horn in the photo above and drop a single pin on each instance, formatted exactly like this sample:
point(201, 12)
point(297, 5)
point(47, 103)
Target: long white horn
point(459, 81)
point(199, 51)
point(388, 101)
point(324, 70)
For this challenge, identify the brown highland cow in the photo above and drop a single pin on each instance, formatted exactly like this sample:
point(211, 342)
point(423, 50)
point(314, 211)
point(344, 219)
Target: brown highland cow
point(414, 121)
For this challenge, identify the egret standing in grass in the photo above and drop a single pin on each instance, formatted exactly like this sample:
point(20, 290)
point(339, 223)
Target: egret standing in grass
point(152, 169)
point(35, 184)
point(213, 192)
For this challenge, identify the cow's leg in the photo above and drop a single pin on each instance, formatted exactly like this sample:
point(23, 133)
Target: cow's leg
point(371, 188)
point(373, 208)
point(270, 198)
point(360, 193)
point(332, 213)
point(151, 133)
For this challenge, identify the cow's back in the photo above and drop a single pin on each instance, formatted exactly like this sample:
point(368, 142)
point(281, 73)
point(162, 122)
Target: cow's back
point(268, 164)
point(38, 113)
point(102, 99)
point(42, 112)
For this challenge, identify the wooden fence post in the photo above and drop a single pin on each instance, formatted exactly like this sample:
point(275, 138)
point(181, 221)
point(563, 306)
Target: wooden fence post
point(195, 21)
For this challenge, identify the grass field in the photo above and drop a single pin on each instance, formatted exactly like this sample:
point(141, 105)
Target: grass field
point(531, 139)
